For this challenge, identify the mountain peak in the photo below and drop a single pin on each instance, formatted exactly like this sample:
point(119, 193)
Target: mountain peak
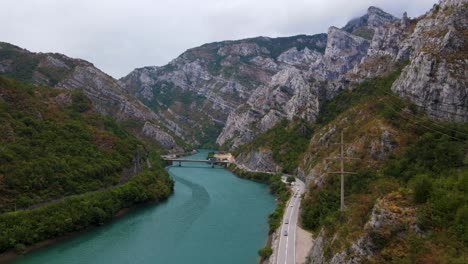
point(365, 25)
point(377, 17)
point(376, 10)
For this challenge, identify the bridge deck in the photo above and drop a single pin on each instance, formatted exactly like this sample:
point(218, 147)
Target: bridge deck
point(196, 160)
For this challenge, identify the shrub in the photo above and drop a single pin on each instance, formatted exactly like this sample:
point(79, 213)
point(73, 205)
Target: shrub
point(422, 188)
point(265, 252)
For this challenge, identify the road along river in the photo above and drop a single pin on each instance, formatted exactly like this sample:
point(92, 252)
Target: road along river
point(212, 217)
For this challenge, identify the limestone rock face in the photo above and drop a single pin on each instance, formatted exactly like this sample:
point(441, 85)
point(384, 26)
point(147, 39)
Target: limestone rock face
point(260, 160)
point(436, 78)
point(343, 52)
point(241, 88)
point(161, 136)
point(222, 80)
point(366, 25)
point(307, 78)
point(435, 47)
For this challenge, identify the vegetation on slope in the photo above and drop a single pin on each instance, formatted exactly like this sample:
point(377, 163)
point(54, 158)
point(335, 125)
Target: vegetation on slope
point(423, 182)
point(52, 144)
point(25, 227)
point(25, 66)
point(64, 162)
point(287, 141)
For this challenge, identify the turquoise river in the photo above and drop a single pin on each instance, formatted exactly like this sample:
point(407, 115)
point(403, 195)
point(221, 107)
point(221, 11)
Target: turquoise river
point(212, 217)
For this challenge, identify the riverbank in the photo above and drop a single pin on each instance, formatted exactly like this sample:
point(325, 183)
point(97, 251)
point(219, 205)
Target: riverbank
point(282, 194)
point(194, 225)
point(27, 230)
point(12, 254)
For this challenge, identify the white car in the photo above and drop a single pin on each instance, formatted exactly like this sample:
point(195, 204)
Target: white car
point(287, 221)
point(285, 233)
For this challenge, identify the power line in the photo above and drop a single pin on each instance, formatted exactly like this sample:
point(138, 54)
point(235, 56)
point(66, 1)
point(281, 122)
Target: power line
point(429, 120)
point(341, 158)
point(421, 125)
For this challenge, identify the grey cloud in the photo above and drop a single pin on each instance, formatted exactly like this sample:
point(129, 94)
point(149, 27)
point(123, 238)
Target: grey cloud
point(119, 35)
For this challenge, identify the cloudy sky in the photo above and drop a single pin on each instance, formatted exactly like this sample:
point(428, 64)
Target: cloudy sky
point(120, 35)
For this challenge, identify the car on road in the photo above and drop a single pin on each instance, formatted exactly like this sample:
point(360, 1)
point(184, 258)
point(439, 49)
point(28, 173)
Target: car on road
point(285, 233)
point(291, 205)
point(287, 221)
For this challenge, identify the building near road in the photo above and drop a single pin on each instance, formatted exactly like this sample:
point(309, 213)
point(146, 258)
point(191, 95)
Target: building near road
point(224, 156)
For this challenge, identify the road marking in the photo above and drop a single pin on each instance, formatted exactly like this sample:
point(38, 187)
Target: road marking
point(295, 201)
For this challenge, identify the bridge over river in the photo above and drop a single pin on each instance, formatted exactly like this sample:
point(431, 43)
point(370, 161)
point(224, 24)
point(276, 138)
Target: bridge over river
point(171, 161)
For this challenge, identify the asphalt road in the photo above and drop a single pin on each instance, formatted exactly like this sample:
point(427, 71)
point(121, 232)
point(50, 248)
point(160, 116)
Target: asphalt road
point(287, 243)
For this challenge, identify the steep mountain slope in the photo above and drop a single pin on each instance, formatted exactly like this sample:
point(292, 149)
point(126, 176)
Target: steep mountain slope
point(196, 92)
point(406, 203)
point(53, 145)
point(435, 45)
point(245, 87)
point(64, 167)
point(106, 93)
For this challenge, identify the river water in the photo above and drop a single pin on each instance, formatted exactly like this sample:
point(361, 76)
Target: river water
point(212, 217)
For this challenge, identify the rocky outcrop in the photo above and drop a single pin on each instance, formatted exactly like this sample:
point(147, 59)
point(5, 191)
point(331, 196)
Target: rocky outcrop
point(436, 78)
point(261, 160)
point(343, 52)
point(219, 78)
point(287, 95)
point(435, 47)
point(60, 71)
point(307, 79)
point(366, 25)
point(389, 213)
point(161, 136)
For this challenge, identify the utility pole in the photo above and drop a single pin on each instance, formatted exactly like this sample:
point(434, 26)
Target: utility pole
point(342, 158)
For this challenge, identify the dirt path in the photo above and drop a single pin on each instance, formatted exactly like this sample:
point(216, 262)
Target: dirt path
point(303, 244)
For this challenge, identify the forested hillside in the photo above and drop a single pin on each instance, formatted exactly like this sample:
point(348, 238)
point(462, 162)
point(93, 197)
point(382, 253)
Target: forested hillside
point(64, 167)
point(53, 144)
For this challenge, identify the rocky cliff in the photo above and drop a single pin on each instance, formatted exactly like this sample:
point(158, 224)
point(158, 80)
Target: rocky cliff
point(373, 45)
point(436, 78)
point(234, 90)
point(196, 92)
point(106, 93)
point(306, 82)
point(435, 46)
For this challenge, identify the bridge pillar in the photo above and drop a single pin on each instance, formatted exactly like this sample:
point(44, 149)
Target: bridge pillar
point(212, 164)
point(180, 164)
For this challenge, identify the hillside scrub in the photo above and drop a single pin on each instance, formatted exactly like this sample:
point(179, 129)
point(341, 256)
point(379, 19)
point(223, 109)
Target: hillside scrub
point(287, 141)
point(53, 144)
point(423, 181)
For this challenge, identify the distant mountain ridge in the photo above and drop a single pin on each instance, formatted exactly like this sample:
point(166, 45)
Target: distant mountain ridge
point(242, 88)
point(106, 93)
point(218, 77)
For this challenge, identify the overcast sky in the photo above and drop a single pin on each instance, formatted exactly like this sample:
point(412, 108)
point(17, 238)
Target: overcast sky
point(120, 35)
